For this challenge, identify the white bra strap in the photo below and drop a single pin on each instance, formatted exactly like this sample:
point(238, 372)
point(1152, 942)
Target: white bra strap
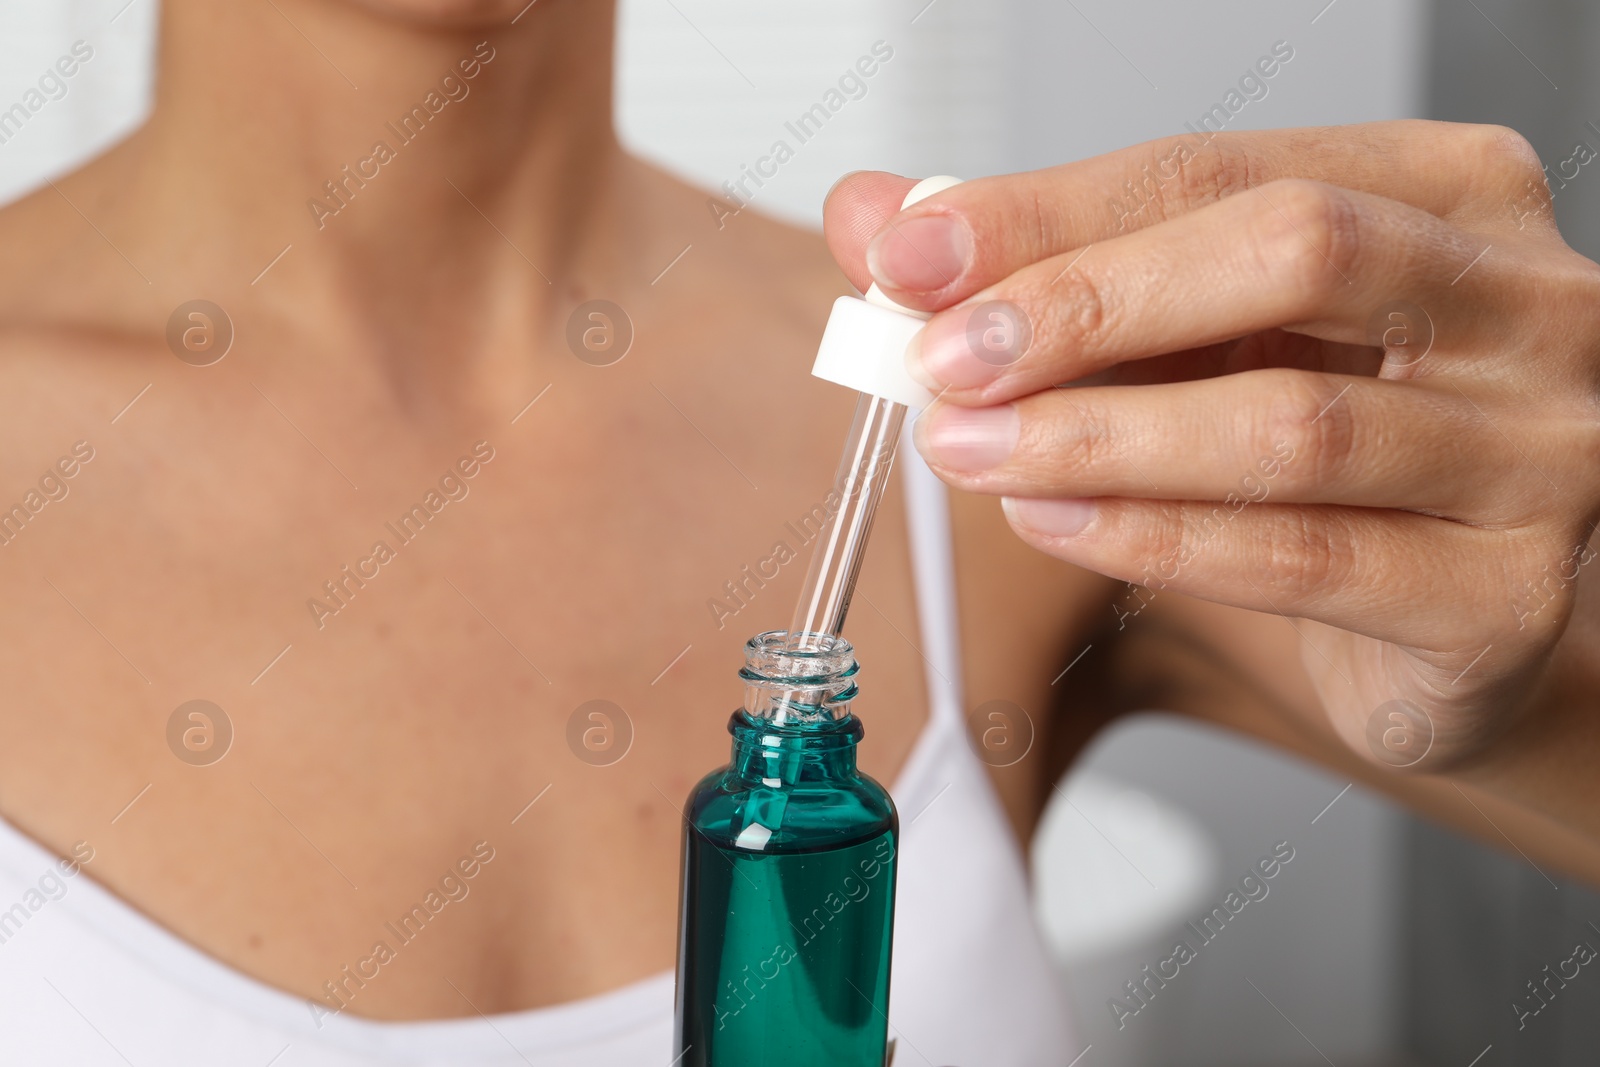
point(933, 570)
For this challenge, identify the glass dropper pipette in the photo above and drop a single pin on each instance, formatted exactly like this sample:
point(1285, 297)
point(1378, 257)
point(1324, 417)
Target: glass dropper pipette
point(864, 348)
point(836, 561)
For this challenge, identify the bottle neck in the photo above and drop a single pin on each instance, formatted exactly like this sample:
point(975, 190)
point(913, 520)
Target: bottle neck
point(796, 724)
point(794, 753)
point(798, 678)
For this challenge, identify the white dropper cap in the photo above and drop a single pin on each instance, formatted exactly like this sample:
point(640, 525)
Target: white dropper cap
point(864, 345)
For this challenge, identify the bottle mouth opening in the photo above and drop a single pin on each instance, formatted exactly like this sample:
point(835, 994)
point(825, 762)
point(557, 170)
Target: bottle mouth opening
point(798, 677)
point(784, 656)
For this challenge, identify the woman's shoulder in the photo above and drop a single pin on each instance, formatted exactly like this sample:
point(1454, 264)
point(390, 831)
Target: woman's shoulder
point(70, 280)
point(744, 254)
point(78, 323)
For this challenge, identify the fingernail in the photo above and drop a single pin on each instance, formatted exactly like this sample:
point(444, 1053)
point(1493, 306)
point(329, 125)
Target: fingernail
point(920, 255)
point(1052, 518)
point(969, 439)
point(941, 355)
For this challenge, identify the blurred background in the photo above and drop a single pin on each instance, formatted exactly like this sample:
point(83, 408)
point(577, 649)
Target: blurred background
point(1385, 941)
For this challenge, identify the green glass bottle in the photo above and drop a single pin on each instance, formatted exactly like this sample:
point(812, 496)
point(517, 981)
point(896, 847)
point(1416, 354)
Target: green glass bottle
point(788, 884)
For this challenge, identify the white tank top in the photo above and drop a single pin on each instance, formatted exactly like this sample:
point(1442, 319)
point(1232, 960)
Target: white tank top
point(85, 979)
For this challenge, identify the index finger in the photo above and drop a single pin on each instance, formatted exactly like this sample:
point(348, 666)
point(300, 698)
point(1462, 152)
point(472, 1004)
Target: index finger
point(946, 248)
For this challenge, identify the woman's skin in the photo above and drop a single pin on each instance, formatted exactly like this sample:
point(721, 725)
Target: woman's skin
point(426, 714)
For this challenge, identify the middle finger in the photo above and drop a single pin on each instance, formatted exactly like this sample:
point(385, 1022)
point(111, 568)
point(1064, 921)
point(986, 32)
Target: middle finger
point(1294, 436)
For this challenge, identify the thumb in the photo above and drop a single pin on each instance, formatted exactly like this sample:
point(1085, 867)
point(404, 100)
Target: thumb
point(857, 207)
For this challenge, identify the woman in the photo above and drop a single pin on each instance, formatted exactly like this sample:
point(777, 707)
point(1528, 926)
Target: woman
point(407, 369)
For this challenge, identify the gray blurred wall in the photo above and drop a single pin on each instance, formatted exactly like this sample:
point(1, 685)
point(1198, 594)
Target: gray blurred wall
point(1530, 65)
point(1482, 923)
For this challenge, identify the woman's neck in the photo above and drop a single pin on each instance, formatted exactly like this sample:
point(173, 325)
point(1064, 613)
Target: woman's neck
point(402, 166)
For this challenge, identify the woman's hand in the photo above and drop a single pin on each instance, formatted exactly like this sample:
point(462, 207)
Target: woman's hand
point(1345, 375)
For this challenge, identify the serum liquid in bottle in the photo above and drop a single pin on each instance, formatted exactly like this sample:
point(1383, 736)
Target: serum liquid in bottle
point(788, 877)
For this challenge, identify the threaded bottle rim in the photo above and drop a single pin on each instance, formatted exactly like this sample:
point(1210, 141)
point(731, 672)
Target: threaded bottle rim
point(798, 677)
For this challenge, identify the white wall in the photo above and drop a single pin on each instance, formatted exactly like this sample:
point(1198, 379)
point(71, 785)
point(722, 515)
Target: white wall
point(705, 86)
point(107, 98)
point(987, 86)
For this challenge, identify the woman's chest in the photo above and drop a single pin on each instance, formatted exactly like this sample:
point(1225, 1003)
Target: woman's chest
point(280, 704)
